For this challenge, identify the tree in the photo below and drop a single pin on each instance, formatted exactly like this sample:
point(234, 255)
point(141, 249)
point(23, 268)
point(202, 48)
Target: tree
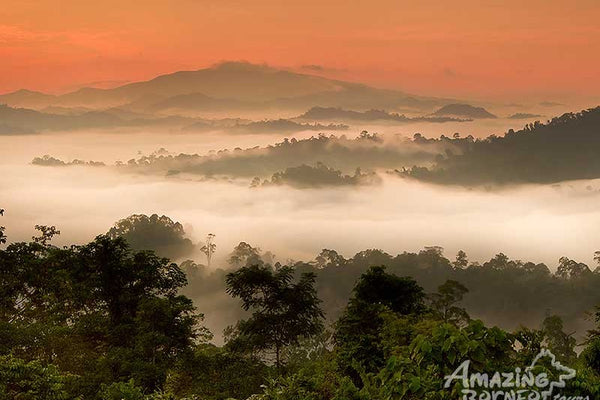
point(121, 391)
point(243, 255)
point(443, 303)
point(561, 344)
point(213, 372)
point(46, 234)
point(283, 312)
point(160, 234)
point(2, 235)
point(358, 332)
point(20, 379)
point(329, 258)
point(209, 248)
point(99, 311)
point(570, 269)
point(597, 259)
point(461, 261)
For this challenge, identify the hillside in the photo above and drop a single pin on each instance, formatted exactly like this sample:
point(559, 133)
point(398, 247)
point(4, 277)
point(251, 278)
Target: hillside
point(565, 148)
point(22, 120)
point(27, 98)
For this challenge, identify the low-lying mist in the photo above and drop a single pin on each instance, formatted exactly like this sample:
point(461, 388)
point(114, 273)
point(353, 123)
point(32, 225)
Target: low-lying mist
point(537, 223)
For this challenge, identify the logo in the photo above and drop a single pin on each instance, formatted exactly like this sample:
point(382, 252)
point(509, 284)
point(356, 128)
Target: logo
point(529, 384)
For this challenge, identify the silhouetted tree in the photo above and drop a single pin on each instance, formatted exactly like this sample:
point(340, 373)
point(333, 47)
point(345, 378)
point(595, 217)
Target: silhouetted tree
point(243, 255)
point(2, 235)
point(461, 261)
point(282, 311)
point(209, 248)
point(443, 303)
point(46, 234)
point(358, 331)
point(160, 234)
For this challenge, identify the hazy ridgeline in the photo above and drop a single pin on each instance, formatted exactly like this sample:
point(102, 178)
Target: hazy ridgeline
point(501, 291)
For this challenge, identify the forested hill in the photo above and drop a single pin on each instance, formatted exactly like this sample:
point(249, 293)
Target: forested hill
point(564, 148)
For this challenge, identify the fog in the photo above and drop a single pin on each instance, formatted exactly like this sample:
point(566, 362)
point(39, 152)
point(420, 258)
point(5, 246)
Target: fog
point(534, 223)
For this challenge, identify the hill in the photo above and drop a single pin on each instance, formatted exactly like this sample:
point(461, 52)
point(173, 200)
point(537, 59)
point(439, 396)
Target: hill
point(339, 114)
point(565, 148)
point(22, 120)
point(524, 116)
point(27, 98)
point(463, 111)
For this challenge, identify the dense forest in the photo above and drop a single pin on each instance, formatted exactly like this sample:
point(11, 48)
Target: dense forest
point(113, 319)
point(563, 149)
point(368, 151)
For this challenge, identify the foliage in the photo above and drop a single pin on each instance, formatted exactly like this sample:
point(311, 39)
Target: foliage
point(98, 311)
point(562, 149)
point(46, 234)
point(443, 303)
point(31, 380)
point(121, 391)
point(307, 176)
point(359, 329)
point(160, 234)
point(212, 372)
point(100, 321)
point(282, 311)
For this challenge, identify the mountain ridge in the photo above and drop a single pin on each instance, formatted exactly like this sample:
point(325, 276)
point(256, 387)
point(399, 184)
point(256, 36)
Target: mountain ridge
point(262, 85)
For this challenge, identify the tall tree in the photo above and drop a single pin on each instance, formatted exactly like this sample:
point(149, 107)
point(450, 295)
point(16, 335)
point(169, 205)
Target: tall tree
point(243, 255)
point(443, 303)
point(209, 248)
point(560, 343)
point(283, 311)
point(359, 329)
point(461, 261)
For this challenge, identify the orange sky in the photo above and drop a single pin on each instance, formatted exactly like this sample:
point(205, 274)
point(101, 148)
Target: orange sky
point(498, 49)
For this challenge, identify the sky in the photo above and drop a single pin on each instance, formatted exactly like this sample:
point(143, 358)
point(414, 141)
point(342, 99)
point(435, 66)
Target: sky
point(485, 49)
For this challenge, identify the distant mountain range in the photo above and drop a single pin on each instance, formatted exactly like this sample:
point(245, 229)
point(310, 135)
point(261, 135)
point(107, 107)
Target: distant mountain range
point(21, 121)
point(25, 121)
point(229, 86)
point(339, 114)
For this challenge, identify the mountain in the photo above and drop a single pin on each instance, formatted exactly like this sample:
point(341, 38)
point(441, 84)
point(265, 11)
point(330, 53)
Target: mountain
point(27, 98)
point(31, 120)
point(258, 86)
point(194, 102)
point(463, 111)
